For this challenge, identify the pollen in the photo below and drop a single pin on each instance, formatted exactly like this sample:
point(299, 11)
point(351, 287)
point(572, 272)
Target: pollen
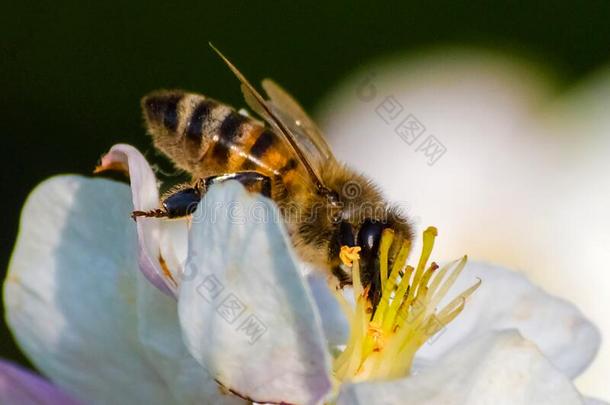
point(383, 342)
point(349, 254)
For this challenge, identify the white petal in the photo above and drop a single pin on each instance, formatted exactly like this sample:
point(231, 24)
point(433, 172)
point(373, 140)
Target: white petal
point(145, 196)
point(495, 369)
point(70, 291)
point(594, 401)
point(334, 322)
point(507, 300)
point(174, 245)
point(244, 307)
point(160, 334)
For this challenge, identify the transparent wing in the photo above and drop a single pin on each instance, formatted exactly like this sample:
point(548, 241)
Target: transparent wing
point(278, 123)
point(308, 135)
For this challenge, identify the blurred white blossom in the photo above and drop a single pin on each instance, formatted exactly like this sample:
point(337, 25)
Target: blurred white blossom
point(523, 179)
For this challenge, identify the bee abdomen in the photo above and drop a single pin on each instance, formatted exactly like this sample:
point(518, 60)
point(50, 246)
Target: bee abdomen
point(229, 133)
point(199, 115)
point(177, 113)
point(188, 126)
point(203, 136)
point(162, 109)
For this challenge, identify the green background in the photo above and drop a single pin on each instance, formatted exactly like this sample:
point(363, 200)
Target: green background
point(72, 73)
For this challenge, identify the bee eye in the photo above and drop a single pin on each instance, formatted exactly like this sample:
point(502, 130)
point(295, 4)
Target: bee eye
point(346, 234)
point(369, 237)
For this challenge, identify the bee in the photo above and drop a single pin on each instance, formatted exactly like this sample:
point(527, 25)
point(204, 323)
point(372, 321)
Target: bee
point(324, 204)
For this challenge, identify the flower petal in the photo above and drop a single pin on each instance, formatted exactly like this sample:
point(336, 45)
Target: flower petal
point(160, 334)
point(174, 246)
point(19, 386)
point(334, 322)
point(500, 368)
point(244, 309)
point(145, 196)
point(507, 300)
point(70, 292)
point(594, 401)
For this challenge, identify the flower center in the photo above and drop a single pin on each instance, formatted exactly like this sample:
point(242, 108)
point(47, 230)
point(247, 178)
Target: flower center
point(383, 341)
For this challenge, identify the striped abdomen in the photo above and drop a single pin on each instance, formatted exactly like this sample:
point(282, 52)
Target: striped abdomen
point(205, 137)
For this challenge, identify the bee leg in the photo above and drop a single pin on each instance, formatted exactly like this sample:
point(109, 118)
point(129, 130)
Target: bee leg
point(250, 180)
point(179, 202)
point(182, 200)
point(157, 213)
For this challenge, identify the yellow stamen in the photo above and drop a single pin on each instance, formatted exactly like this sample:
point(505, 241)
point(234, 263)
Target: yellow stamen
point(390, 283)
point(382, 344)
point(387, 237)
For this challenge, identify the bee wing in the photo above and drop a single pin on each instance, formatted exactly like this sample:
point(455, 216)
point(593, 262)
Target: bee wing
point(306, 131)
point(266, 111)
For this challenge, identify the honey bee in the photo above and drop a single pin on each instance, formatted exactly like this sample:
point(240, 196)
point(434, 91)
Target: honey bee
point(286, 159)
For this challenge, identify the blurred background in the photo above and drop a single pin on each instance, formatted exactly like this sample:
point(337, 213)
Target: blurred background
point(515, 94)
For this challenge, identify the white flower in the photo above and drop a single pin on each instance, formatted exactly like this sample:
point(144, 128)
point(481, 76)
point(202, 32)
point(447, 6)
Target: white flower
point(523, 180)
point(220, 312)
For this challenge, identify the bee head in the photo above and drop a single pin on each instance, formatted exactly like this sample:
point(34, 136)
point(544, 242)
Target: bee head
point(367, 234)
